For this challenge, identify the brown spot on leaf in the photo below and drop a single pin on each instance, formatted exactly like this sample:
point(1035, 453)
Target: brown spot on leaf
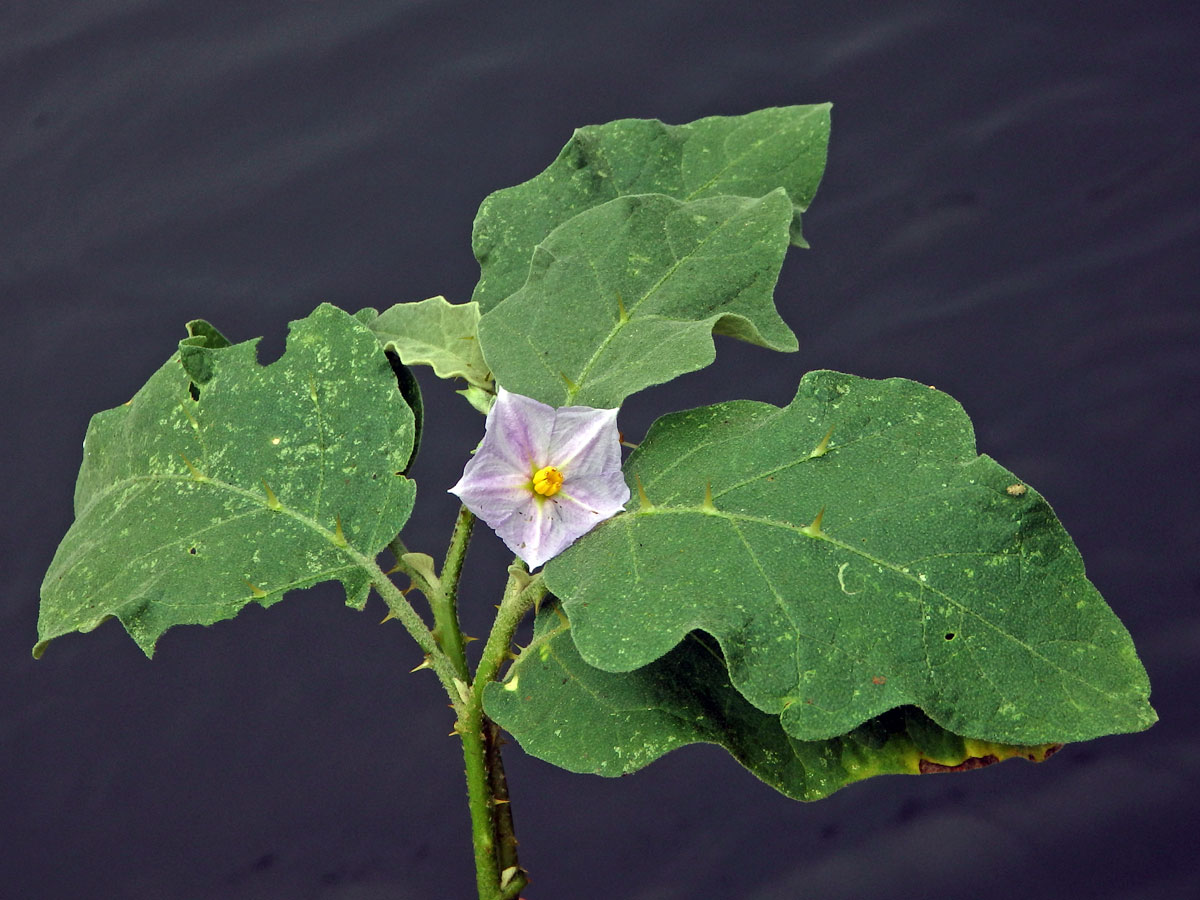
point(878, 679)
point(928, 767)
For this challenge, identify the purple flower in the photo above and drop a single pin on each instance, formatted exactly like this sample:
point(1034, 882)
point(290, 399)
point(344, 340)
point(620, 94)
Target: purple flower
point(543, 476)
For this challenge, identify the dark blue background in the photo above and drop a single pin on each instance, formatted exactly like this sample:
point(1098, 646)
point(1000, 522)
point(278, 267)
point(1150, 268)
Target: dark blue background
point(1010, 212)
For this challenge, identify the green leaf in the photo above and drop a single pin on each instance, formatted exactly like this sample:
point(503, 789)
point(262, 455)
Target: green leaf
point(224, 482)
point(586, 720)
point(746, 156)
point(628, 294)
point(436, 333)
point(933, 578)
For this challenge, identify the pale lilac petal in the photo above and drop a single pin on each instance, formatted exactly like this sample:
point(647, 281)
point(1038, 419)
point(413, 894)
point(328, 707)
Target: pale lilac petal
point(543, 532)
point(492, 499)
point(518, 429)
point(585, 440)
point(601, 496)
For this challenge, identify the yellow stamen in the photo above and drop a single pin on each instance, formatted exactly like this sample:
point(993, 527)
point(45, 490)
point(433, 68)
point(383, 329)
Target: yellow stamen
point(547, 480)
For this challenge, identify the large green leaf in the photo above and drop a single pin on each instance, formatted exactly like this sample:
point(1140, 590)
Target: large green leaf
point(746, 156)
point(628, 294)
point(934, 578)
point(586, 720)
point(224, 482)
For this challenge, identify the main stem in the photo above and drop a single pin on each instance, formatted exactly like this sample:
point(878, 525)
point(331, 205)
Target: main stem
point(498, 874)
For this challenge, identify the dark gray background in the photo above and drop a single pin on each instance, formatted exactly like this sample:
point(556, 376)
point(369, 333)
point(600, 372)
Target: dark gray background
point(1009, 212)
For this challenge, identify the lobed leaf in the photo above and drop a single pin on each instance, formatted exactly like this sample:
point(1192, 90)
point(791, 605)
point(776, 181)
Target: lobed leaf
point(851, 553)
point(436, 333)
point(745, 156)
point(224, 482)
point(629, 293)
point(583, 719)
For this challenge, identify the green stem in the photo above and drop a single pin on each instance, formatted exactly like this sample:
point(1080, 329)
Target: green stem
point(402, 610)
point(498, 874)
point(487, 789)
point(519, 597)
point(444, 600)
point(479, 799)
point(506, 838)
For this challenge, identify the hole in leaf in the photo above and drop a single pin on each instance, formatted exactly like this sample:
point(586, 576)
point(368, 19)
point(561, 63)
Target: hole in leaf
point(192, 550)
point(270, 348)
point(949, 635)
point(194, 391)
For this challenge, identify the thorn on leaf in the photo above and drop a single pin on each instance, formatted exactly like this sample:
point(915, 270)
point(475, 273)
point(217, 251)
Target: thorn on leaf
point(822, 448)
point(272, 500)
point(814, 530)
point(197, 475)
point(644, 502)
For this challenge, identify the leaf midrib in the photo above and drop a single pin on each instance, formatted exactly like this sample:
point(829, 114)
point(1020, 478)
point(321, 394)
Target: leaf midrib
point(583, 373)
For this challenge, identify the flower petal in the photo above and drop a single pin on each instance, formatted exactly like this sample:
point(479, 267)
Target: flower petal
point(539, 533)
point(599, 496)
point(493, 494)
point(585, 440)
point(518, 429)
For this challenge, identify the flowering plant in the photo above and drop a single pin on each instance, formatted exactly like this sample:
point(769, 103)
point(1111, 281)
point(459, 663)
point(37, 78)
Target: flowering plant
point(835, 589)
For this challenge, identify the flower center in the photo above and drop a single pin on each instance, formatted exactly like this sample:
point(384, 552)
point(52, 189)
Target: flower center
point(547, 480)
